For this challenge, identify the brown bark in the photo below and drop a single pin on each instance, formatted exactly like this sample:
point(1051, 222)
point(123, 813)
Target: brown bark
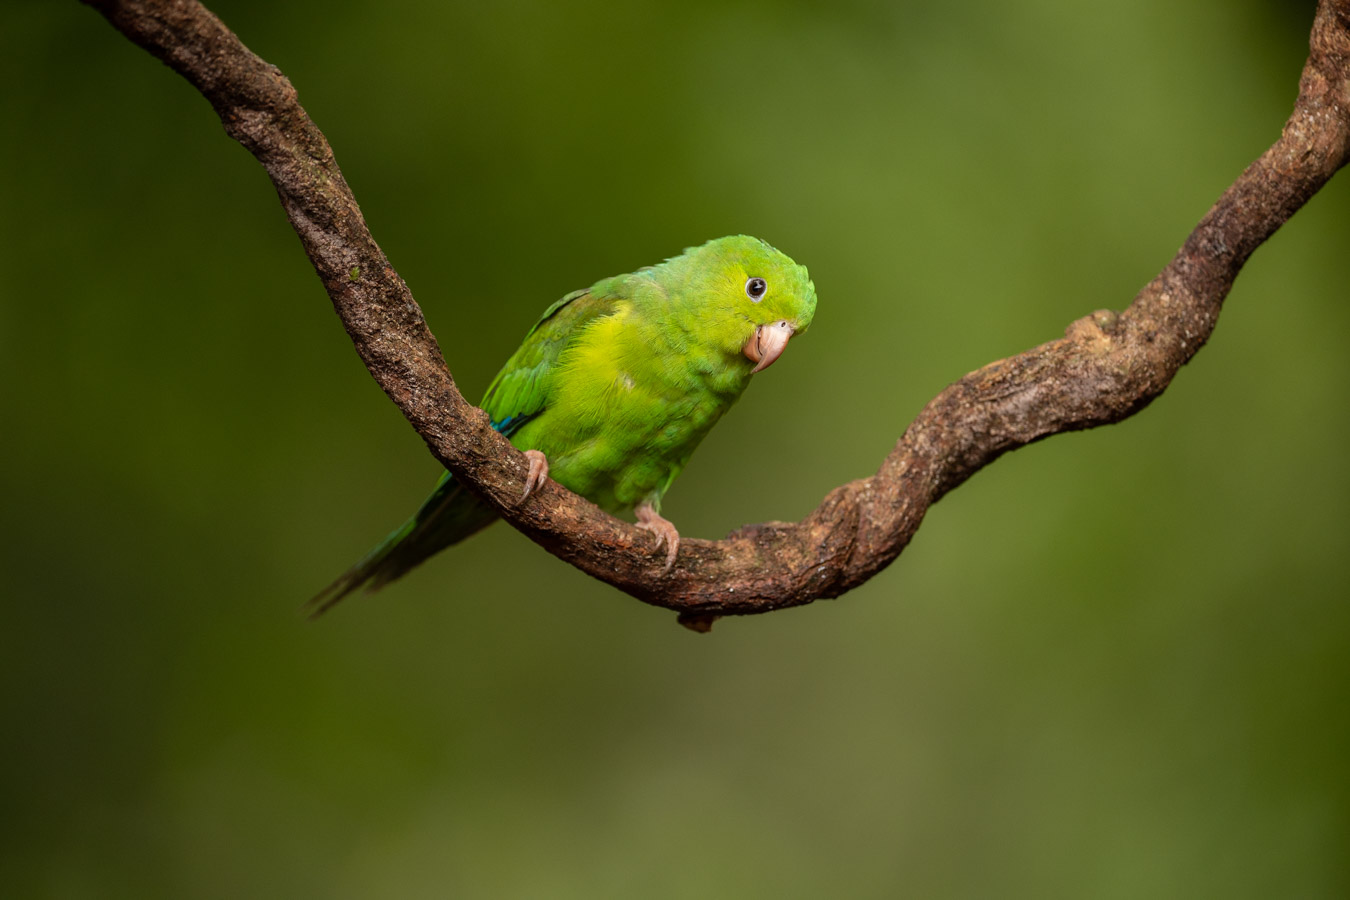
point(1107, 366)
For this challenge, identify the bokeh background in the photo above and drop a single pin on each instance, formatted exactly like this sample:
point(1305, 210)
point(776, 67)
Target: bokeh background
point(1115, 664)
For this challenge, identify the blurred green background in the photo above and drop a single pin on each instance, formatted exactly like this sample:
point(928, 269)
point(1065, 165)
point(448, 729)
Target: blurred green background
point(1116, 664)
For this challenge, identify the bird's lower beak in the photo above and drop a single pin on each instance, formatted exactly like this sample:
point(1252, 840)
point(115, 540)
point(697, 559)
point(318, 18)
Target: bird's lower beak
point(767, 344)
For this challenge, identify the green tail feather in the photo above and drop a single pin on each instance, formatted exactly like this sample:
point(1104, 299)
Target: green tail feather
point(449, 515)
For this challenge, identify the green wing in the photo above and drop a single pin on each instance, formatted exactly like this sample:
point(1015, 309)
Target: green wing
point(519, 393)
point(521, 390)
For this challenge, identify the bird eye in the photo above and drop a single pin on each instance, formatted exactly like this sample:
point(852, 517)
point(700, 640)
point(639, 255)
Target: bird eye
point(755, 288)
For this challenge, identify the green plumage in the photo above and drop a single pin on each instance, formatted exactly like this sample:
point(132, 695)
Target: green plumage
point(616, 385)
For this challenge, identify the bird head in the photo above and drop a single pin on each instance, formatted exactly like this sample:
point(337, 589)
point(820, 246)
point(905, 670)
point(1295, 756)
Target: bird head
point(748, 297)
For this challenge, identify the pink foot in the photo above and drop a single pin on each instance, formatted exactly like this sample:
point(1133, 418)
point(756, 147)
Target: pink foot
point(538, 472)
point(650, 520)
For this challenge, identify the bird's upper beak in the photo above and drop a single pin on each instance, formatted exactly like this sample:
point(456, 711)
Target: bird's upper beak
point(767, 344)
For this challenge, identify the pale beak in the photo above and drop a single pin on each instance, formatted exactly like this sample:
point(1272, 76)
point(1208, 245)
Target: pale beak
point(767, 344)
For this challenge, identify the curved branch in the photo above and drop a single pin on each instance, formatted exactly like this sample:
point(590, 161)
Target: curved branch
point(1106, 367)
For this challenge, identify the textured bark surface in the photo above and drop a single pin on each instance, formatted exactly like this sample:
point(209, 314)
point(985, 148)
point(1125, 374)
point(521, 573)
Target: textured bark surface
point(1107, 366)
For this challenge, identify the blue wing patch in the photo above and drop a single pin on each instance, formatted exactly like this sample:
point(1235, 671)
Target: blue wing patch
point(511, 424)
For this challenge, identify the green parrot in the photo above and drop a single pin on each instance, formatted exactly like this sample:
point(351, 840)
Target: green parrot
point(614, 387)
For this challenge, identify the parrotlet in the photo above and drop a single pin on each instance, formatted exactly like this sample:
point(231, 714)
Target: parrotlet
point(614, 387)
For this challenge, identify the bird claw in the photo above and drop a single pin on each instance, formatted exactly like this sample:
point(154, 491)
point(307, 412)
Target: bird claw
point(538, 472)
point(666, 533)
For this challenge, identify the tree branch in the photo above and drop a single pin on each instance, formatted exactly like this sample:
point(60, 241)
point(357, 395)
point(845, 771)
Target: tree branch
point(1107, 366)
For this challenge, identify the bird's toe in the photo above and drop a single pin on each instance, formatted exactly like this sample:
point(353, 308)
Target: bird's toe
point(667, 535)
point(538, 472)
